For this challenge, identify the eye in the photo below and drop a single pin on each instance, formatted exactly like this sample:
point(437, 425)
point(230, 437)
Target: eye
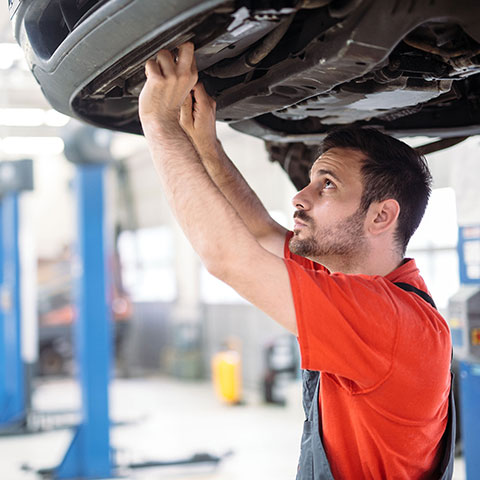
point(328, 184)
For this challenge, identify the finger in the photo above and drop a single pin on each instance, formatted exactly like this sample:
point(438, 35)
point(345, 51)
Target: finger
point(152, 69)
point(203, 98)
point(201, 95)
point(185, 56)
point(186, 115)
point(165, 62)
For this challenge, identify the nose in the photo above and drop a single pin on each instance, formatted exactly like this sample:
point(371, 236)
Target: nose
point(301, 200)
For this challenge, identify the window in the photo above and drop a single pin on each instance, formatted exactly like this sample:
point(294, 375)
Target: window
point(147, 258)
point(434, 246)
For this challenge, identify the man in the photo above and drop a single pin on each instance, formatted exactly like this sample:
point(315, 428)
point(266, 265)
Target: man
point(339, 282)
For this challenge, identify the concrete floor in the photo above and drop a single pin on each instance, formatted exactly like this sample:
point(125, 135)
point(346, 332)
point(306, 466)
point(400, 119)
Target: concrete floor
point(167, 419)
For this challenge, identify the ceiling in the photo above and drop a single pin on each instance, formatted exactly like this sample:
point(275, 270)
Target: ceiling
point(19, 90)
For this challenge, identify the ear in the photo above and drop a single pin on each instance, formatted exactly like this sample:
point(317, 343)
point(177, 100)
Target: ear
point(383, 216)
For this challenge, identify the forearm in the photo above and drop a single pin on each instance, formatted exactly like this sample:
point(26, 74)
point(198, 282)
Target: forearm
point(216, 231)
point(208, 219)
point(235, 188)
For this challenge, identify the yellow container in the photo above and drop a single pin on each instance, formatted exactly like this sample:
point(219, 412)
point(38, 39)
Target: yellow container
point(227, 379)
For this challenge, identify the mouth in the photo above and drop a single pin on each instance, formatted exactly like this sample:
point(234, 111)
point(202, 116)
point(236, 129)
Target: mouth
point(300, 221)
point(298, 226)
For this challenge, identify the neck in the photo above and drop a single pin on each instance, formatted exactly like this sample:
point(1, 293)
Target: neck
point(373, 262)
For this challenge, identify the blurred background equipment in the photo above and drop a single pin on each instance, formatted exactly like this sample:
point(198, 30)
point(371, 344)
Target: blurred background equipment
point(464, 318)
point(57, 313)
point(281, 368)
point(227, 373)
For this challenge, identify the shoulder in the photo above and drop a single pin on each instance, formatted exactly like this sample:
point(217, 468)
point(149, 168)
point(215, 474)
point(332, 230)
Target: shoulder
point(363, 296)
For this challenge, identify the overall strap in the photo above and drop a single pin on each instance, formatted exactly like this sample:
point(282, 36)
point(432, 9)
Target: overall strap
point(410, 288)
point(447, 459)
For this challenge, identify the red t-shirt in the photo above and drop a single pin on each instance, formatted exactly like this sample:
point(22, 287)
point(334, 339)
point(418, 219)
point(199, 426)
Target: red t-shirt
point(384, 354)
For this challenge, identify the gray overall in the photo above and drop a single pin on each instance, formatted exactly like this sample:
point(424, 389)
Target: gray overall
point(313, 463)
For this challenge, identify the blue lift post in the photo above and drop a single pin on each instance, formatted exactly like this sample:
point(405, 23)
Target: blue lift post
point(89, 454)
point(15, 177)
point(464, 320)
point(470, 408)
point(12, 394)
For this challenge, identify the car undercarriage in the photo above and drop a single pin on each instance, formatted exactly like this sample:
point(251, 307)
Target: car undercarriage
point(285, 71)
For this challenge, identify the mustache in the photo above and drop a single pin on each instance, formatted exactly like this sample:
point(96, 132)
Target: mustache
point(302, 215)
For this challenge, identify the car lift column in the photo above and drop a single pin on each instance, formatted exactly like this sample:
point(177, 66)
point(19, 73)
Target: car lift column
point(89, 454)
point(464, 319)
point(15, 177)
point(12, 382)
point(464, 306)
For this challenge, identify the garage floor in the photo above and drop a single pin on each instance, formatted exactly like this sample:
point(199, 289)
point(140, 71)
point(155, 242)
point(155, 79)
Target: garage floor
point(162, 419)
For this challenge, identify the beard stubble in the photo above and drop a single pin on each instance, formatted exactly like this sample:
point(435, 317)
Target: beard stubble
point(345, 239)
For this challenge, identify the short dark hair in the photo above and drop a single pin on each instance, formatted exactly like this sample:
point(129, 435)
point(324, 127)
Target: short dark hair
point(391, 169)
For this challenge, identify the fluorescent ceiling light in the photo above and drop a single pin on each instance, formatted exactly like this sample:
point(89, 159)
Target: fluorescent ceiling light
point(31, 117)
point(21, 117)
point(55, 119)
point(32, 145)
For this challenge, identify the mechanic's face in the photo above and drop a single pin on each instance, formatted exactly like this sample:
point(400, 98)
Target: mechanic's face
point(328, 222)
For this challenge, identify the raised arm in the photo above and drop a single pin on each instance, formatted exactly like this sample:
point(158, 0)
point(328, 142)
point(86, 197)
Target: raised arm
point(212, 225)
point(197, 118)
